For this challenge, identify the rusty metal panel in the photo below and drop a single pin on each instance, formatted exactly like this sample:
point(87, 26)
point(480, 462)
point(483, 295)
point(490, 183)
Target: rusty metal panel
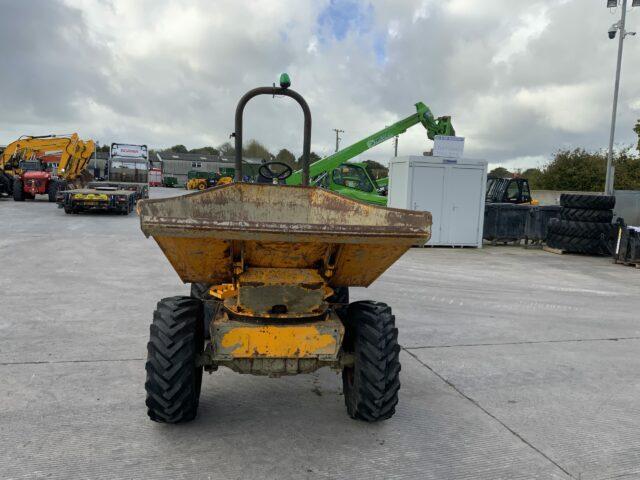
point(277, 367)
point(279, 226)
point(284, 254)
point(300, 291)
point(204, 260)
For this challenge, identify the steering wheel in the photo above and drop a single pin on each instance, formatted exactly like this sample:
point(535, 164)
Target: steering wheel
point(267, 172)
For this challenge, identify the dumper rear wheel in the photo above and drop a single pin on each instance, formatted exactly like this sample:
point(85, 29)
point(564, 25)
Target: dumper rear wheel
point(173, 374)
point(371, 385)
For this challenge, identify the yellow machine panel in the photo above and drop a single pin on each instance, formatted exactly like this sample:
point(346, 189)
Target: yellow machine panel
point(236, 339)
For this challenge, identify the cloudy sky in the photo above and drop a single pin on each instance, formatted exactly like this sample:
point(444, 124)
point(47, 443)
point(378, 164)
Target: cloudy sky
point(521, 78)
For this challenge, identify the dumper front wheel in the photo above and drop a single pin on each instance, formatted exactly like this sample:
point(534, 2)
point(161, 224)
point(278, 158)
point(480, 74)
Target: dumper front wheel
point(173, 352)
point(371, 385)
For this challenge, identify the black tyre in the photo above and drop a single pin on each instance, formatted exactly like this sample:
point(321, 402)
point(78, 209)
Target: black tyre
point(581, 229)
point(592, 202)
point(68, 210)
point(52, 191)
point(6, 184)
point(371, 385)
point(18, 192)
point(591, 246)
point(585, 215)
point(173, 374)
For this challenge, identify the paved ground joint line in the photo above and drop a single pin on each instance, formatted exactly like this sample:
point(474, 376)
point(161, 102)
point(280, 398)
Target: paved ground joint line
point(525, 342)
point(49, 362)
point(477, 404)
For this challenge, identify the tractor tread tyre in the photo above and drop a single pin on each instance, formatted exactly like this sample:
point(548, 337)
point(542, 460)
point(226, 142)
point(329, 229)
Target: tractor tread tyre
point(371, 385)
point(18, 192)
point(52, 191)
point(591, 202)
point(173, 375)
point(581, 229)
point(586, 215)
point(591, 246)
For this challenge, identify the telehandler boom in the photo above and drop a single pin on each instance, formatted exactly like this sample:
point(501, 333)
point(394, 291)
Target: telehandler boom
point(352, 179)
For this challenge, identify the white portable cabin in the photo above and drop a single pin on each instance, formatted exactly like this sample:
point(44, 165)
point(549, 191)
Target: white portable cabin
point(453, 190)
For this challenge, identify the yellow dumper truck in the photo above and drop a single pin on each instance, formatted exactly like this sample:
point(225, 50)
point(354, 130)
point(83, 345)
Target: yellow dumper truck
point(270, 267)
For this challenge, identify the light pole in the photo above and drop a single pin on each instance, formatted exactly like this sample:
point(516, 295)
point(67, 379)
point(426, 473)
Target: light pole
point(608, 184)
point(338, 132)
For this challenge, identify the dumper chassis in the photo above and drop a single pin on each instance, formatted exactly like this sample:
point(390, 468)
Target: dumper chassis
point(270, 266)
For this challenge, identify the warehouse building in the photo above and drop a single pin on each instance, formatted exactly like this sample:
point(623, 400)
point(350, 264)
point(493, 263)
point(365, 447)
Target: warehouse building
point(178, 165)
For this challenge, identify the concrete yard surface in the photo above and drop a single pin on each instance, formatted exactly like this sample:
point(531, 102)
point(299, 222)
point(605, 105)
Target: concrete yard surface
point(516, 364)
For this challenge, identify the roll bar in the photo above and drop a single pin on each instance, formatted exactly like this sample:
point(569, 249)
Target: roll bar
point(306, 146)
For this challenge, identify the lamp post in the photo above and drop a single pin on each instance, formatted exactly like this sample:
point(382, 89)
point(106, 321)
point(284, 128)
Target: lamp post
point(608, 184)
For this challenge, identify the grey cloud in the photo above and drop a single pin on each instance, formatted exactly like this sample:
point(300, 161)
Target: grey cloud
point(168, 72)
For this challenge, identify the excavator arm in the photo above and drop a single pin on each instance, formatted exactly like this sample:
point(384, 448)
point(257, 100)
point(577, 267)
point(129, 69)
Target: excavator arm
point(28, 146)
point(74, 157)
point(423, 115)
point(73, 163)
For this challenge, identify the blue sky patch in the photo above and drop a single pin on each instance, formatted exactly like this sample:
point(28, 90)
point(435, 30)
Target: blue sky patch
point(342, 16)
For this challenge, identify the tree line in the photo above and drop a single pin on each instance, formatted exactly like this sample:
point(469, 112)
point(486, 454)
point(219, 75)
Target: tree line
point(255, 149)
point(583, 170)
point(580, 170)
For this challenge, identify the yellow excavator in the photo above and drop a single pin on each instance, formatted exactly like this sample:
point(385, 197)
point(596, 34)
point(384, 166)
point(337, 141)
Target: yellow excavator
point(46, 164)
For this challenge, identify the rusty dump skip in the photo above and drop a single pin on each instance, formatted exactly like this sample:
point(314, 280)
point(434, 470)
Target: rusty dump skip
point(273, 226)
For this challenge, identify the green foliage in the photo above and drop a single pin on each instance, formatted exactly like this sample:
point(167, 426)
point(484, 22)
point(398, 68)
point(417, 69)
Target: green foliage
point(534, 175)
point(313, 157)
point(581, 170)
point(205, 151)
point(577, 169)
point(376, 170)
point(637, 130)
point(255, 149)
point(103, 148)
point(227, 150)
point(627, 175)
point(179, 149)
point(285, 156)
point(501, 172)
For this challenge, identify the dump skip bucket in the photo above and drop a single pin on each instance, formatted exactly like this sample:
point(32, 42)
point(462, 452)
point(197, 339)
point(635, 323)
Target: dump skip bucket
point(274, 226)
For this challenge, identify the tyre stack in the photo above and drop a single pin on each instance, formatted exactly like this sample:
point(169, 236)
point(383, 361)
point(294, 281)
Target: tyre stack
point(584, 225)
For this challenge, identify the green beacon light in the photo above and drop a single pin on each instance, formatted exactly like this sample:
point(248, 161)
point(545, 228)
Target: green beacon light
point(285, 81)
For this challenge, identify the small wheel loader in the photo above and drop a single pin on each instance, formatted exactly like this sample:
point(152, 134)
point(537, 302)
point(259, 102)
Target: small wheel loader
point(270, 267)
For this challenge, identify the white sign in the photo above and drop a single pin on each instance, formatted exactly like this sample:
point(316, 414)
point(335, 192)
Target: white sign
point(449, 147)
point(129, 151)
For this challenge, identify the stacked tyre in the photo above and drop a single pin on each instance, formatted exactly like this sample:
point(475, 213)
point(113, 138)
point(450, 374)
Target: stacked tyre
point(584, 225)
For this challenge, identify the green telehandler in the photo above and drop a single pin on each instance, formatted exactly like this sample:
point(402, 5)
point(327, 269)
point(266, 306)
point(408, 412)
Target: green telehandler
point(352, 179)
